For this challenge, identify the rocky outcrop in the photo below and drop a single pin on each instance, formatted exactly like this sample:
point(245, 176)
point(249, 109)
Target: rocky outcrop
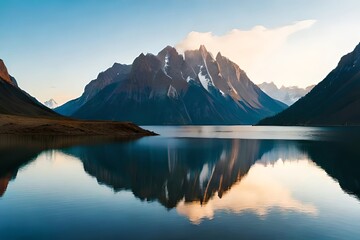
point(4, 75)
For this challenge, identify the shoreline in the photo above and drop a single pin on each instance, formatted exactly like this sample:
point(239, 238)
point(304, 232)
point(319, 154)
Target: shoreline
point(42, 126)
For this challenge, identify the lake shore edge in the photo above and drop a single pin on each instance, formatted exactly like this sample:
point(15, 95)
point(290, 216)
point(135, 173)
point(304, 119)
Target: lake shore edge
point(42, 126)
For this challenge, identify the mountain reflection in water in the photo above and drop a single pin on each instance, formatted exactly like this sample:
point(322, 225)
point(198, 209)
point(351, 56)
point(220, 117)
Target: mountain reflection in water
point(201, 176)
point(18, 151)
point(258, 192)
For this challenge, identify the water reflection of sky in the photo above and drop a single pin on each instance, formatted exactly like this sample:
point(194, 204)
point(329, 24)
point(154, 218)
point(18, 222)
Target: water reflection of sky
point(262, 185)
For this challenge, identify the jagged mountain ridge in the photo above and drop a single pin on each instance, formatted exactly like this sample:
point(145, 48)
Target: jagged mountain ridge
point(334, 101)
point(169, 88)
point(287, 95)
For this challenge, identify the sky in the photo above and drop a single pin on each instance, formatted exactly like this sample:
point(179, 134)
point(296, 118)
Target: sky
point(55, 47)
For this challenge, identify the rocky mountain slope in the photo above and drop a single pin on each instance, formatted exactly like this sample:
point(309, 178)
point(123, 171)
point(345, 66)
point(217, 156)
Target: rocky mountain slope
point(169, 88)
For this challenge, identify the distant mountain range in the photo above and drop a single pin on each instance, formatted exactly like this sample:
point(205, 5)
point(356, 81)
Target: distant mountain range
point(51, 103)
point(288, 95)
point(169, 88)
point(334, 101)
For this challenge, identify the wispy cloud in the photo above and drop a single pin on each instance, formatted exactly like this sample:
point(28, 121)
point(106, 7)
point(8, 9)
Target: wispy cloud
point(248, 48)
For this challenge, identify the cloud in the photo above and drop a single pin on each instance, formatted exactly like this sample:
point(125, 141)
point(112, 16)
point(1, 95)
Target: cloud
point(250, 49)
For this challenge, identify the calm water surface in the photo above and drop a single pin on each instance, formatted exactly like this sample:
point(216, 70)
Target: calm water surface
point(195, 182)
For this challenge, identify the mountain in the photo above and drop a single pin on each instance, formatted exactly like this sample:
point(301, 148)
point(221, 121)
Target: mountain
point(51, 103)
point(334, 101)
point(21, 114)
point(116, 73)
point(14, 101)
point(169, 88)
point(288, 95)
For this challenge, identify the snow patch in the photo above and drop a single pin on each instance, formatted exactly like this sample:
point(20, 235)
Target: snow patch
point(233, 89)
point(166, 62)
point(166, 65)
point(172, 93)
point(182, 75)
point(205, 79)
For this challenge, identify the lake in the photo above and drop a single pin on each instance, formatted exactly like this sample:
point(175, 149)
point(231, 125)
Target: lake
point(191, 182)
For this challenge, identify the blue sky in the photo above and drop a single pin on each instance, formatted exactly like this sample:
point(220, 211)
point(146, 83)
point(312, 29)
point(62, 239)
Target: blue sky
point(54, 48)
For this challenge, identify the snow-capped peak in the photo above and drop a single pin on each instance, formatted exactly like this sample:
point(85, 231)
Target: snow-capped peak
point(51, 103)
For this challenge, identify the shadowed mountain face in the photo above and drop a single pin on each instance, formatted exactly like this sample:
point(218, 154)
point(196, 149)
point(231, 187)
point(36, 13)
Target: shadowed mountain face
point(14, 101)
point(171, 89)
point(334, 101)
